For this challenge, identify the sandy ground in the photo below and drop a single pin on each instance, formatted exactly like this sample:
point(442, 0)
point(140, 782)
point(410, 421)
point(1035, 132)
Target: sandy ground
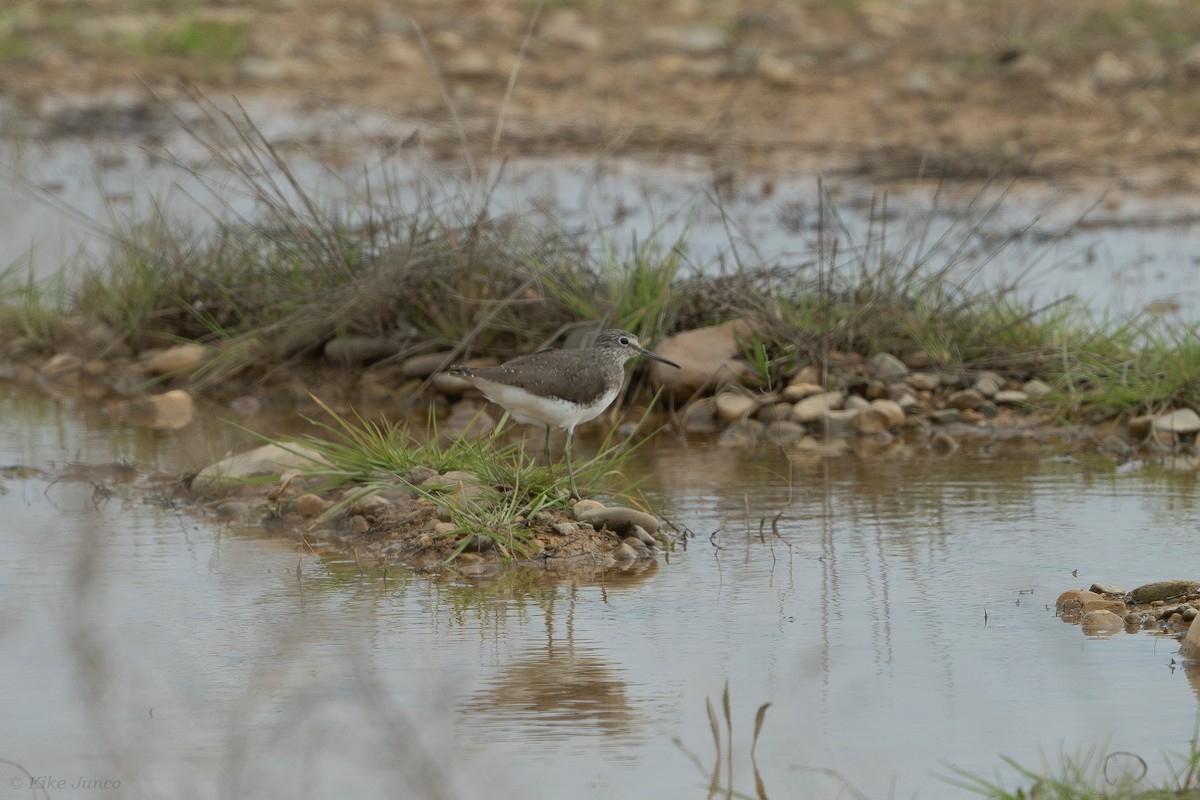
point(887, 90)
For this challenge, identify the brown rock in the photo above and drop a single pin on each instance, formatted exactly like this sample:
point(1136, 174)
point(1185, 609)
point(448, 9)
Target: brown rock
point(1162, 590)
point(423, 366)
point(618, 519)
point(734, 406)
point(965, 400)
point(167, 411)
point(795, 392)
point(707, 357)
point(310, 505)
point(810, 409)
point(61, 366)
point(1074, 599)
point(182, 359)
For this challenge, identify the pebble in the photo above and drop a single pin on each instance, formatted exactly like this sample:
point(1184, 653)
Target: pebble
point(619, 519)
point(836, 423)
point(1074, 599)
point(1036, 389)
point(178, 360)
point(886, 367)
point(946, 416)
point(1182, 421)
point(987, 386)
point(640, 533)
point(965, 400)
point(810, 409)
point(370, 506)
point(1010, 397)
point(774, 412)
point(923, 381)
point(734, 406)
point(583, 506)
point(795, 392)
point(310, 505)
point(61, 365)
point(1106, 588)
point(427, 364)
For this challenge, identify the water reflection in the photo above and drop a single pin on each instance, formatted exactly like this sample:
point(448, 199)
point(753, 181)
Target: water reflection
point(883, 605)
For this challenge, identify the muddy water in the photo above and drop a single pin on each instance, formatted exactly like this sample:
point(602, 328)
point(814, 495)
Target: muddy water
point(181, 657)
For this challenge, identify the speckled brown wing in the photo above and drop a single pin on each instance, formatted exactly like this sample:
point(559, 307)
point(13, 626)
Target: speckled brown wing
point(550, 373)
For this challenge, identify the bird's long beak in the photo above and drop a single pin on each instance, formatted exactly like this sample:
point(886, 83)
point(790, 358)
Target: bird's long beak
point(657, 357)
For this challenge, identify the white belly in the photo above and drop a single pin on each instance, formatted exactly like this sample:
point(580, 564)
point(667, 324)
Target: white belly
point(534, 410)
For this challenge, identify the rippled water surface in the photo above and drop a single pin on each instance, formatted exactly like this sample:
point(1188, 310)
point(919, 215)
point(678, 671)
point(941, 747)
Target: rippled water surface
point(183, 658)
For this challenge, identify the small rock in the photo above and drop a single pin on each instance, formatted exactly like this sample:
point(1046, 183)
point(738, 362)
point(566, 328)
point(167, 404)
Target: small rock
point(181, 359)
point(1010, 397)
point(421, 474)
point(1162, 590)
point(886, 367)
point(585, 505)
point(1107, 588)
point(357, 525)
point(565, 528)
point(643, 536)
point(810, 409)
point(693, 40)
point(618, 519)
point(370, 506)
point(1074, 599)
point(270, 459)
point(61, 366)
point(734, 406)
point(855, 403)
point(706, 356)
point(423, 366)
point(965, 400)
point(232, 510)
point(355, 350)
point(795, 392)
point(1036, 389)
point(1181, 422)
point(310, 505)
point(987, 386)
point(774, 412)
point(1115, 606)
point(922, 381)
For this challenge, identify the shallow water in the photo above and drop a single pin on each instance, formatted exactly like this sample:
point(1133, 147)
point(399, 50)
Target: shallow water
point(1131, 251)
point(185, 658)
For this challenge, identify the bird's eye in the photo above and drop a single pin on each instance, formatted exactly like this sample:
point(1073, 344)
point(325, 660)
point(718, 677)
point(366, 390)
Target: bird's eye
point(624, 340)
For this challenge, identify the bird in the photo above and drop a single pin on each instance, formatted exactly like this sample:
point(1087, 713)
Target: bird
point(560, 388)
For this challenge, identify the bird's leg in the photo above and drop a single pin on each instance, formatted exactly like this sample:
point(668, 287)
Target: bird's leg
point(549, 463)
point(570, 470)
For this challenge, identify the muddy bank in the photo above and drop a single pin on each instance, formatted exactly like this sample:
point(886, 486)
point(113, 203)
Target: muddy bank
point(886, 90)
